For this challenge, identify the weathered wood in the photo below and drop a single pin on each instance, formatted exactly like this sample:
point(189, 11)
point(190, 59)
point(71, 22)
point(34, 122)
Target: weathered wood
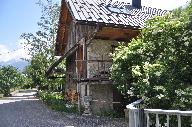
point(71, 32)
point(77, 32)
point(119, 34)
point(79, 64)
point(64, 21)
point(56, 63)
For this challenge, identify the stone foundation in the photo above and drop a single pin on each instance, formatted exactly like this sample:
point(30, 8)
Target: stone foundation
point(102, 98)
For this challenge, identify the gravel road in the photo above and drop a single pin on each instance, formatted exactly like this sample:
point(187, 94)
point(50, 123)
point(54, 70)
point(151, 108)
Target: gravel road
point(24, 110)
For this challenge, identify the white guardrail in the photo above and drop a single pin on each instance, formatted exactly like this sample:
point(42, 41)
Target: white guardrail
point(141, 117)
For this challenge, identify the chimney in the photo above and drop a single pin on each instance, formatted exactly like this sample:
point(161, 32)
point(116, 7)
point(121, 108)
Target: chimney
point(136, 3)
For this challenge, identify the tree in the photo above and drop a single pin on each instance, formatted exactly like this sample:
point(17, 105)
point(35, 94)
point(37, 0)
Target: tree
point(10, 78)
point(157, 66)
point(41, 45)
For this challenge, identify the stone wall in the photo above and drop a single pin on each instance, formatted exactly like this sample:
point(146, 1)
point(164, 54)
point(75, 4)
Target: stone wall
point(102, 98)
point(101, 94)
point(99, 50)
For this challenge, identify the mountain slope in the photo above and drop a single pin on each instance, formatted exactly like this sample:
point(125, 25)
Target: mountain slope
point(20, 64)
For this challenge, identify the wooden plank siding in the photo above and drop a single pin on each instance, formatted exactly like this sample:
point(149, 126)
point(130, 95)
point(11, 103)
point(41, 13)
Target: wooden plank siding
point(62, 33)
point(119, 34)
point(80, 64)
point(77, 33)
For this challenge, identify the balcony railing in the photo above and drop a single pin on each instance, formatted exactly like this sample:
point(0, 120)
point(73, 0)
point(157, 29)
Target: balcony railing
point(139, 117)
point(93, 69)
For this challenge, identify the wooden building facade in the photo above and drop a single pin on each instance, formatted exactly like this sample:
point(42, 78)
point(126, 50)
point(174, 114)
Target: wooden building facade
point(89, 30)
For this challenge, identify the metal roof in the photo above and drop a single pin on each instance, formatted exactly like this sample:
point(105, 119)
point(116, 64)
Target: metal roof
point(112, 12)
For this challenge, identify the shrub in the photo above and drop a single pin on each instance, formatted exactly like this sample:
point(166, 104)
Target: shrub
point(157, 66)
point(57, 102)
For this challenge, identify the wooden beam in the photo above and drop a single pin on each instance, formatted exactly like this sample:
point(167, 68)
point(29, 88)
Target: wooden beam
point(118, 34)
point(56, 63)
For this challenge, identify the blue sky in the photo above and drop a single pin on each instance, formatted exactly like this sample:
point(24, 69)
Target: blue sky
point(16, 17)
point(19, 16)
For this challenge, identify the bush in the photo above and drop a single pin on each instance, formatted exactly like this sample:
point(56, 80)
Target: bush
point(57, 102)
point(10, 78)
point(157, 66)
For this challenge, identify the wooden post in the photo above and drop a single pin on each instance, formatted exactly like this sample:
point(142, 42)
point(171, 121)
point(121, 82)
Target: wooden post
point(79, 97)
point(86, 90)
point(85, 59)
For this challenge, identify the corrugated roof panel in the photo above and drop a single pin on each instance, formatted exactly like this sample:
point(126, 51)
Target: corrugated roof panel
point(112, 12)
point(112, 16)
point(101, 12)
point(73, 10)
point(98, 14)
point(79, 10)
point(108, 15)
point(88, 7)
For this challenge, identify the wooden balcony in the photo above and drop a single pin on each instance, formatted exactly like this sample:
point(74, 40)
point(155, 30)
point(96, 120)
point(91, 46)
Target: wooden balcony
point(92, 70)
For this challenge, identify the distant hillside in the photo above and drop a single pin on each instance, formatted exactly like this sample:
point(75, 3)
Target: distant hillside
point(20, 64)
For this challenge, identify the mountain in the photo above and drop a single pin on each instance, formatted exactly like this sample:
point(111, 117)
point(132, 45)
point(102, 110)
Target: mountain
point(20, 64)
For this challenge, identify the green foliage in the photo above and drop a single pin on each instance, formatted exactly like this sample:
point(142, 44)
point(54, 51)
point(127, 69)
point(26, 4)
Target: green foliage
point(10, 78)
point(57, 102)
point(157, 66)
point(41, 48)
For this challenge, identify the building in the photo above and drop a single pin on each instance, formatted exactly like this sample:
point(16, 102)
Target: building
point(89, 30)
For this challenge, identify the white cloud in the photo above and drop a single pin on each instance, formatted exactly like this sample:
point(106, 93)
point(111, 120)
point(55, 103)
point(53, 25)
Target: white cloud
point(3, 49)
point(16, 54)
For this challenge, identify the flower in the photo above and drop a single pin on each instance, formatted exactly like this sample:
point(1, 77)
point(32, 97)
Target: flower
point(186, 43)
point(160, 96)
point(158, 73)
